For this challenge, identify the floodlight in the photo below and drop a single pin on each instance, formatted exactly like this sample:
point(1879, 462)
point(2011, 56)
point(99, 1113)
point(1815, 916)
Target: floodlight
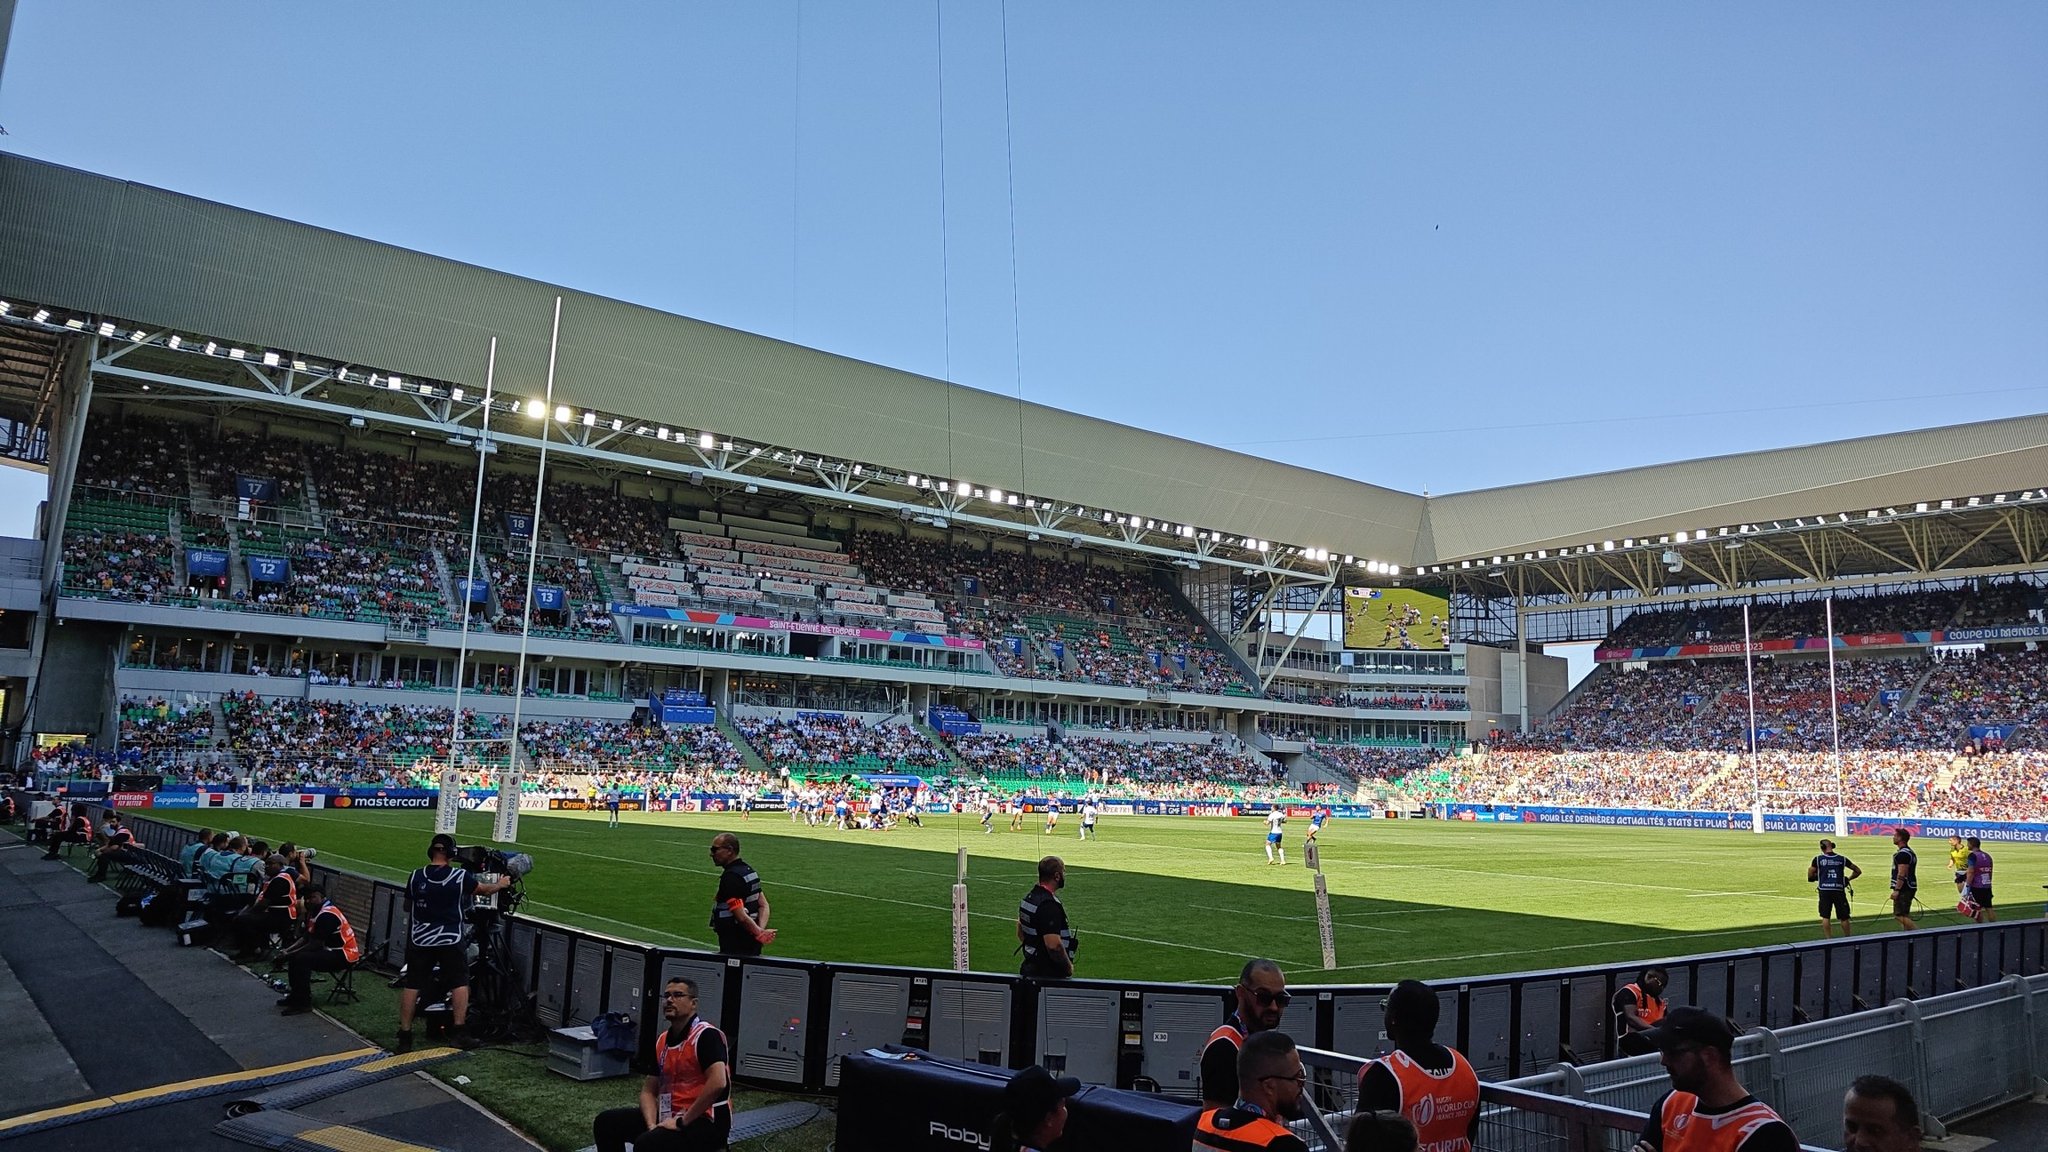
point(617, 424)
point(211, 347)
point(535, 408)
point(705, 440)
point(395, 383)
point(561, 413)
point(661, 434)
point(271, 360)
point(138, 336)
point(589, 419)
point(236, 353)
point(455, 394)
point(42, 315)
point(106, 328)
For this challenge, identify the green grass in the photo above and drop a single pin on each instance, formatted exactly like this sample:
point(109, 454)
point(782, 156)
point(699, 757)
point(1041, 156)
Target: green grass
point(1161, 898)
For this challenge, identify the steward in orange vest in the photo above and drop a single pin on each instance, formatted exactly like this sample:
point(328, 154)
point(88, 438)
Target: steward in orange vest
point(686, 1105)
point(1708, 1109)
point(1432, 1086)
point(329, 945)
point(1271, 1082)
point(1261, 996)
point(1637, 1008)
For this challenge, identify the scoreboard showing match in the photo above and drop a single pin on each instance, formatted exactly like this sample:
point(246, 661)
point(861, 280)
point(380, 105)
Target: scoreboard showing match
point(1415, 619)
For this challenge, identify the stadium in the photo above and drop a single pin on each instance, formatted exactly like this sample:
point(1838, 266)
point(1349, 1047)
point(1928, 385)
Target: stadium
point(346, 544)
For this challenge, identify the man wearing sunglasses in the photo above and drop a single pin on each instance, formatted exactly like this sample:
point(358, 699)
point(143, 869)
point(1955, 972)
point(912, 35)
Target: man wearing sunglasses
point(1432, 1085)
point(686, 1105)
point(1261, 996)
point(739, 912)
point(1271, 1083)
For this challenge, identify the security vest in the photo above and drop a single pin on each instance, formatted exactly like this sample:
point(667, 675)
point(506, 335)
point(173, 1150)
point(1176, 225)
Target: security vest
point(1686, 1129)
point(682, 1080)
point(1233, 1130)
point(1031, 933)
point(290, 906)
point(1650, 1008)
point(351, 950)
point(1231, 1029)
point(1440, 1104)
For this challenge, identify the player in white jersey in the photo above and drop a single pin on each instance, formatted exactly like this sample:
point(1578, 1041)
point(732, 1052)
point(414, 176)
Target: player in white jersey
point(1275, 819)
point(1088, 819)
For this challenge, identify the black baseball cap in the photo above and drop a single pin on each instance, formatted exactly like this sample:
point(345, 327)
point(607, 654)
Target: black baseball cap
point(1034, 1092)
point(442, 843)
point(1692, 1026)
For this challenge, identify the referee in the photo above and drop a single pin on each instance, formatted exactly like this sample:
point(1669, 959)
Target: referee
point(1832, 873)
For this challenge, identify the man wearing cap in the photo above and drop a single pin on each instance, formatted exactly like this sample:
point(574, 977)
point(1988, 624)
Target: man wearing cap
point(1707, 1109)
point(1270, 1084)
point(1034, 1110)
point(439, 897)
point(1832, 873)
point(1261, 995)
point(1432, 1085)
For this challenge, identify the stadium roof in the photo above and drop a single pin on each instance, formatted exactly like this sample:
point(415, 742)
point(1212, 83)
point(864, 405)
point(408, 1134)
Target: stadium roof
point(122, 251)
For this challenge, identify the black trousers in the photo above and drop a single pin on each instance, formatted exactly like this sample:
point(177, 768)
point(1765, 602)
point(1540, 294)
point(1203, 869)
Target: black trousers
point(252, 925)
point(301, 965)
point(617, 1127)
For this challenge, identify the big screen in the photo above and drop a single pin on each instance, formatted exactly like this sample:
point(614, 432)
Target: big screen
point(1401, 618)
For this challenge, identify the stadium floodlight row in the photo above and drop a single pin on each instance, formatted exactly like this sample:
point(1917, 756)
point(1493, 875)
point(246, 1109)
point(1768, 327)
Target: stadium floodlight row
point(261, 436)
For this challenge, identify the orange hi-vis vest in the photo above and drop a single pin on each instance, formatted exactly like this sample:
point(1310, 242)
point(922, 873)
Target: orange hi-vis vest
point(1440, 1104)
point(1650, 1008)
point(291, 895)
point(351, 951)
point(1686, 1129)
point(1253, 1135)
point(1229, 1030)
point(681, 1077)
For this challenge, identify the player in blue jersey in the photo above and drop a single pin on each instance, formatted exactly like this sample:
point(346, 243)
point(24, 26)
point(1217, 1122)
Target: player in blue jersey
point(1315, 824)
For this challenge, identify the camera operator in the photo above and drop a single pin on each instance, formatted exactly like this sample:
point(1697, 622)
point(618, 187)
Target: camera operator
point(440, 896)
point(329, 945)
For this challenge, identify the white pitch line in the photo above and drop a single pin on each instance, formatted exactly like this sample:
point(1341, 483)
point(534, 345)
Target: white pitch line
point(1298, 919)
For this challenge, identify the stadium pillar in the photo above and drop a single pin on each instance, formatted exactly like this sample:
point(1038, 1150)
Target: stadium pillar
point(74, 400)
point(1521, 656)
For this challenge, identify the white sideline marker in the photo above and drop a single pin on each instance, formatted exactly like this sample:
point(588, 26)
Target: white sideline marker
point(960, 912)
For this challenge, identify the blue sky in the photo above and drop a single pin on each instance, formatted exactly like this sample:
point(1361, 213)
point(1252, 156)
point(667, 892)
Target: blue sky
point(1432, 247)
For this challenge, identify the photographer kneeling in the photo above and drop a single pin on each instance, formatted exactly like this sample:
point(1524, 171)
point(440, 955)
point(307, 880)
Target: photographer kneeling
point(329, 945)
point(440, 896)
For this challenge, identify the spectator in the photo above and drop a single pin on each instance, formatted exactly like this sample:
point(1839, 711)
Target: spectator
point(1271, 1086)
point(686, 1105)
point(1879, 1115)
point(1034, 1111)
point(1698, 1047)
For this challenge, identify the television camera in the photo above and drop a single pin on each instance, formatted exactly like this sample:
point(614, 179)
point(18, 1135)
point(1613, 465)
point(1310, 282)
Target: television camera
point(491, 864)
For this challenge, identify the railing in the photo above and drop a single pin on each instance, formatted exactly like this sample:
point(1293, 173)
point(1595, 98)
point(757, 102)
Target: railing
point(1512, 1117)
point(789, 1020)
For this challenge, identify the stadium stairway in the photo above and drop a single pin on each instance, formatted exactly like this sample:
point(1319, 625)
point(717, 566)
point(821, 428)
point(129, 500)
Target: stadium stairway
point(238, 572)
point(1309, 768)
point(312, 492)
point(954, 765)
point(751, 756)
point(1214, 637)
point(446, 580)
point(1912, 699)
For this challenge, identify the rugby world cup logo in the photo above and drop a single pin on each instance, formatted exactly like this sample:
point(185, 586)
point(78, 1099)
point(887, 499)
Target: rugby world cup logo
point(1424, 1111)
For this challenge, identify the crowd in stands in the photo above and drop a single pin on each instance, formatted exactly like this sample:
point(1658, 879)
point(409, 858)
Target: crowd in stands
point(829, 739)
point(118, 565)
point(133, 459)
point(158, 725)
point(1113, 626)
point(1916, 610)
point(1216, 767)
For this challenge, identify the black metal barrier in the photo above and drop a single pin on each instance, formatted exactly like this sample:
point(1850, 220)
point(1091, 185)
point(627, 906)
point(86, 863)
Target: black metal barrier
point(789, 1020)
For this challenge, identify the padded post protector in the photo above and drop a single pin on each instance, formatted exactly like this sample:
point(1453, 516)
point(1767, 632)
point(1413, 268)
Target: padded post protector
point(896, 1099)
